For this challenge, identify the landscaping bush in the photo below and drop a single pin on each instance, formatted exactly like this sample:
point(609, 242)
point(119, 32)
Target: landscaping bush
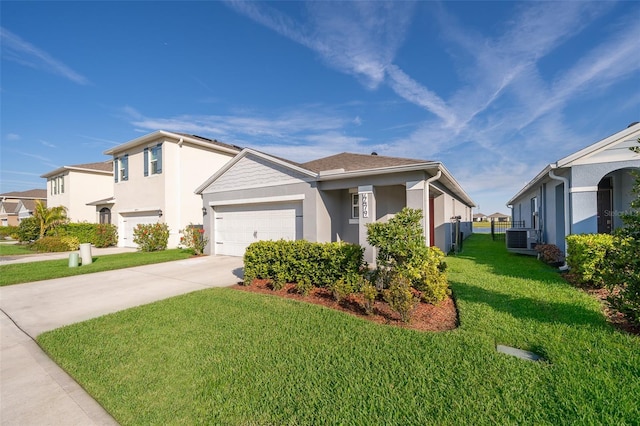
point(401, 250)
point(586, 257)
point(29, 229)
point(8, 231)
point(151, 237)
point(282, 261)
point(98, 234)
point(73, 243)
point(549, 253)
point(51, 244)
point(369, 294)
point(344, 287)
point(400, 297)
point(623, 259)
point(106, 235)
point(193, 238)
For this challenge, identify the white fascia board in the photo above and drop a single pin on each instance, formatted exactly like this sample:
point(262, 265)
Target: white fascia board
point(163, 133)
point(456, 187)
point(140, 210)
point(599, 146)
point(245, 152)
point(378, 171)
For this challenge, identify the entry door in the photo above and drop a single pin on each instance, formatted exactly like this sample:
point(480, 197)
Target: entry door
point(605, 206)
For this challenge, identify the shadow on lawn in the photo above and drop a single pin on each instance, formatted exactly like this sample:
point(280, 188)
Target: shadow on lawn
point(528, 308)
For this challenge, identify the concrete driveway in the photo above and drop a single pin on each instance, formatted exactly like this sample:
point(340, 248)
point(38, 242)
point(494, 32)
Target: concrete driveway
point(34, 390)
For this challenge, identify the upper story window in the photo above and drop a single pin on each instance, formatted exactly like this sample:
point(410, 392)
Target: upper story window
point(153, 160)
point(57, 185)
point(534, 213)
point(121, 168)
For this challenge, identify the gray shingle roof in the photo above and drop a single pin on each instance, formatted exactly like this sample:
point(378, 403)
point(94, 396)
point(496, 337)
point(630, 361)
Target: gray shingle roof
point(29, 194)
point(353, 162)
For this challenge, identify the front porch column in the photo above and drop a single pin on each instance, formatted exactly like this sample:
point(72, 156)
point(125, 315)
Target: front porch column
point(367, 214)
point(416, 199)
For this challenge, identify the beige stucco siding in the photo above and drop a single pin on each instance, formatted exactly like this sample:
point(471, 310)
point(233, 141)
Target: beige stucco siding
point(80, 188)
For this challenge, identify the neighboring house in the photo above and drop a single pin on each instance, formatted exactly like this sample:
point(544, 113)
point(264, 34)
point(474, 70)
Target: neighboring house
point(584, 192)
point(74, 186)
point(260, 197)
point(155, 177)
point(498, 217)
point(479, 217)
point(12, 210)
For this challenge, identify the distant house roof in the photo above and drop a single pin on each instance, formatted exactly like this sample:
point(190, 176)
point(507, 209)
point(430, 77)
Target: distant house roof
point(479, 215)
point(102, 167)
point(498, 215)
point(10, 207)
point(184, 137)
point(31, 194)
point(30, 204)
point(353, 162)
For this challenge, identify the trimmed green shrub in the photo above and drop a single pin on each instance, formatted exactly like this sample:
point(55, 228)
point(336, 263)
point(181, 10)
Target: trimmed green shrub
point(29, 229)
point(369, 294)
point(401, 250)
point(151, 237)
point(106, 235)
point(98, 234)
point(400, 297)
point(586, 257)
point(73, 243)
point(342, 288)
point(8, 231)
point(50, 244)
point(282, 261)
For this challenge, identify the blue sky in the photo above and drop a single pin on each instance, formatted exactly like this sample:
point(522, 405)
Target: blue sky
point(494, 90)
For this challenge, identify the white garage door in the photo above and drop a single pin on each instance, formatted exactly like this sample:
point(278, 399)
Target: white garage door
point(238, 226)
point(130, 221)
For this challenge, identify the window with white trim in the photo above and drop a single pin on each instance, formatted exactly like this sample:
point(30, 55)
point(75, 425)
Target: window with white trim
point(355, 206)
point(153, 160)
point(121, 168)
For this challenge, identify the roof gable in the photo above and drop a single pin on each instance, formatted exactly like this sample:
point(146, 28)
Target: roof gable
point(35, 194)
point(179, 138)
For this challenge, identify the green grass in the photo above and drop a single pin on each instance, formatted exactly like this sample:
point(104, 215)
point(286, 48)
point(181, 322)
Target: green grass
point(13, 249)
point(17, 273)
point(220, 356)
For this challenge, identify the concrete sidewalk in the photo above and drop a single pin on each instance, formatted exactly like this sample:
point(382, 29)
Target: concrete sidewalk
point(34, 389)
point(37, 257)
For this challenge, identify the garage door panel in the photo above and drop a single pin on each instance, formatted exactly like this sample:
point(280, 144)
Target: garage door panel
point(130, 221)
point(238, 226)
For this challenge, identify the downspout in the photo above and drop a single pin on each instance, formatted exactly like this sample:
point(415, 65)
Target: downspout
point(567, 220)
point(179, 168)
point(427, 216)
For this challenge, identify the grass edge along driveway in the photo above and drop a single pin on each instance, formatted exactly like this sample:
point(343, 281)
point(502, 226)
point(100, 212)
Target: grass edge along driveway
point(220, 356)
point(17, 273)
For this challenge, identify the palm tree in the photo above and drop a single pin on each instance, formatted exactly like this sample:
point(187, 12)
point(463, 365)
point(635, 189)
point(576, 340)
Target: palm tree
point(49, 217)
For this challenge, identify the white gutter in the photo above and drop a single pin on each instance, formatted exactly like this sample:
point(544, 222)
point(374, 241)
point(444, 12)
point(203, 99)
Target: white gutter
point(427, 216)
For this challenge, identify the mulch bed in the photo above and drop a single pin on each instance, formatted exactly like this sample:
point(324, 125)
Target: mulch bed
point(425, 317)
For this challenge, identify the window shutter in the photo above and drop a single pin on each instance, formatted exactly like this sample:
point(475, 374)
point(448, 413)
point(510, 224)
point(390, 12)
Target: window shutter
point(115, 169)
point(146, 161)
point(159, 158)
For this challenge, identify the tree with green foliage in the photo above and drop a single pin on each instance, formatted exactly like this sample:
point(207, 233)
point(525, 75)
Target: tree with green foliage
point(623, 260)
point(49, 218)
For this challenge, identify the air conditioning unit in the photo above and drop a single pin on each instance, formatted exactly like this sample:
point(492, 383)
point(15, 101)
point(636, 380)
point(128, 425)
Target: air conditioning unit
point(521, 238)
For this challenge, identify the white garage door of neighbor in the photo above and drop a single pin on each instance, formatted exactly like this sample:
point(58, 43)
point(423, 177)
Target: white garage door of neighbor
point(130, 221)
point(238, 226)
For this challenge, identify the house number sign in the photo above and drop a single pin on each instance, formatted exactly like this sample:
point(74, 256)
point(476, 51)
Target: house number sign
point(365, 205)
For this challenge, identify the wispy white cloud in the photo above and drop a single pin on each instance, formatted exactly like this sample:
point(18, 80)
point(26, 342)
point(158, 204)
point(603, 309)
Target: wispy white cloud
point(301, 132)
point(13, 172)
point(47, 144)
point(21, 51)
point(12, 137)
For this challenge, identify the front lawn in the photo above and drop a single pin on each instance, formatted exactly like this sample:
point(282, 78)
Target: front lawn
point(16, 273)
point(221, 356)
point(14, 249)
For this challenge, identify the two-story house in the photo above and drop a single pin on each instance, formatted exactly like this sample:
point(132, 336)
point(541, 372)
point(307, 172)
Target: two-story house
point(155, 177)
point(74, 187)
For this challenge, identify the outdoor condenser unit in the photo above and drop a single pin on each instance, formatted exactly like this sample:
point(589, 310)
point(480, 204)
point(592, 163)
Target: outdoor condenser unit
point(521, 238)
